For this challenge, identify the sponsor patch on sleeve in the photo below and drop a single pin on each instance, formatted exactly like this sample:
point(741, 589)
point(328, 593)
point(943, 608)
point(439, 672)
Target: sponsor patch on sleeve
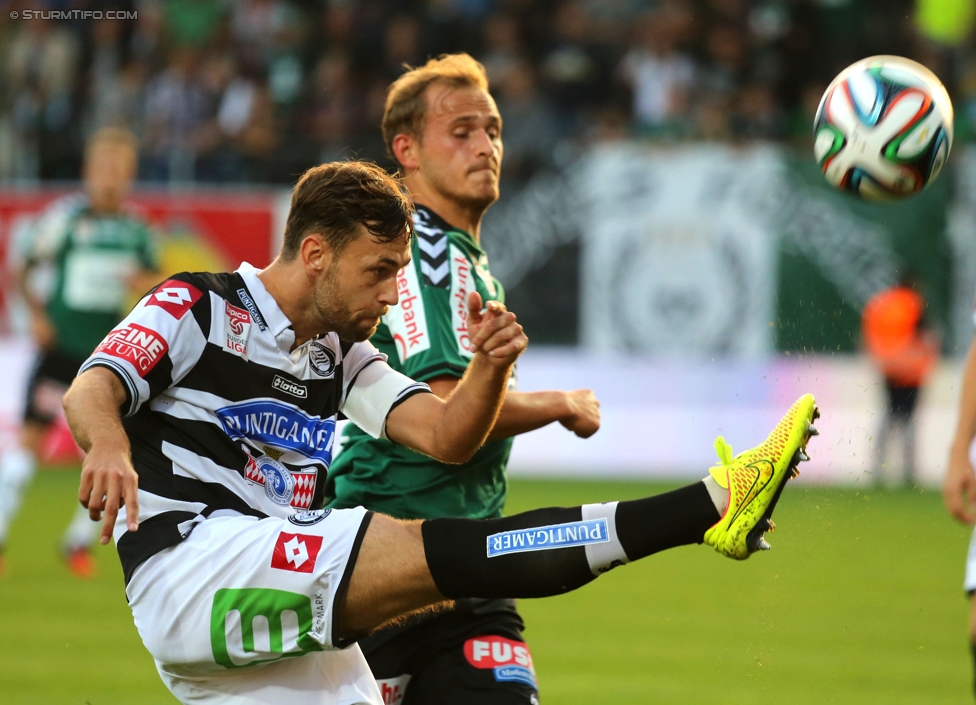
point(547, 538)
point(238, 328)
point(175, 297)
point(510, 660)
point(140, 346)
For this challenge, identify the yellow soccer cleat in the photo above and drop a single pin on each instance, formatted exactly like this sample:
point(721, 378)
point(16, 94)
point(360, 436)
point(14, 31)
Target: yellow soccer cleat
point(756, 478)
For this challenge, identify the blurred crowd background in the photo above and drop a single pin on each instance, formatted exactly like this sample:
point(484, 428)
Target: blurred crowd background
point(259, 90)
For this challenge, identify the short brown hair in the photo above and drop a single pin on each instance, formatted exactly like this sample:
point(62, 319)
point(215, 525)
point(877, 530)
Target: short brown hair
point(406, 104)
point(335, 199)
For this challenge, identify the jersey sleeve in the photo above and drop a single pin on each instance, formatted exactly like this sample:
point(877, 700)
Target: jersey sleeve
point(148, 251)
point(429, 325)
point(49, 233)
point(372, 389)
point(158, 343)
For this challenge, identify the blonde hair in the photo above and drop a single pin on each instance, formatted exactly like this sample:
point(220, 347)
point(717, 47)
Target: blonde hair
point(406, 103)
point(114, 136)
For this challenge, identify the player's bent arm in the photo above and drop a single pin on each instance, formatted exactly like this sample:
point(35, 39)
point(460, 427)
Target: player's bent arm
point(452, 430)
point(578, 410)
point(108, 479)
point(959, 486)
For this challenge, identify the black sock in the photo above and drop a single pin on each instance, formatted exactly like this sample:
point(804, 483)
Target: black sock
point(555, 550)
point(652, 524)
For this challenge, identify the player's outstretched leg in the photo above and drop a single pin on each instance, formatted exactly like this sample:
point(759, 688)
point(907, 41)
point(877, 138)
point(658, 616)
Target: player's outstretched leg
point(403, 566)
point(550, 551)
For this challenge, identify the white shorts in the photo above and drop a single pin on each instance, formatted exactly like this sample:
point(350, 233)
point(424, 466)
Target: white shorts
point(969, 582)
point(224, 612)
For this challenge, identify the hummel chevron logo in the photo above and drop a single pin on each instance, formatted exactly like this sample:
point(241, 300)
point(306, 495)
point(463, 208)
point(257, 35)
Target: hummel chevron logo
point(435, 274)
point(435, 248)
point(427, 231)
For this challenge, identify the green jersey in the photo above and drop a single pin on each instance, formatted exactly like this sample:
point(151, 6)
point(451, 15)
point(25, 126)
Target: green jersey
point(88, 258)
point(426, 336)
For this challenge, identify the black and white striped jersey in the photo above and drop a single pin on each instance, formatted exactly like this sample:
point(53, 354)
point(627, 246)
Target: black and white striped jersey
point(222, 415)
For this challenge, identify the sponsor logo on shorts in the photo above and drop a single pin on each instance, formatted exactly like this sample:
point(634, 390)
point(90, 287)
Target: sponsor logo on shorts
point(252, 309)
point(392, 690)
point(238, 329)
point(510, 660)
point(296, 552)
point(289, 387)
point(544, 538)
point(142, 347)
point(407, 320)
point(280, 425)
point(232, 626)
point(321, 359)
point(174, 297)
point(307, 518)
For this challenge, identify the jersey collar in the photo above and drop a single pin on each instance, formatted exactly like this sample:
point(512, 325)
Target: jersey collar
point(278, 323)
point(426, 218)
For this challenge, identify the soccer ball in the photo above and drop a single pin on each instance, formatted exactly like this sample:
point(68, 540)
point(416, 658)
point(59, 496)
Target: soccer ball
point(883, 129)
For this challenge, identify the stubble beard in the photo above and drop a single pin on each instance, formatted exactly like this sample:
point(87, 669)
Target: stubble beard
point(335, 314)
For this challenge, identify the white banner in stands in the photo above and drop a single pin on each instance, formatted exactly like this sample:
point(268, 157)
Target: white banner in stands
point(674, 259)
point(660, 419)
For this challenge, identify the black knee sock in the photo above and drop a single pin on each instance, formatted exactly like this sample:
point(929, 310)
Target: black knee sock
point(555, 550)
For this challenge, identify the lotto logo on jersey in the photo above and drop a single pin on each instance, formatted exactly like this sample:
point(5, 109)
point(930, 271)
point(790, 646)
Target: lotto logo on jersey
point(296, 552)
point(509, 659)
point(238, 329)
point(174, 297)
point(135, 344)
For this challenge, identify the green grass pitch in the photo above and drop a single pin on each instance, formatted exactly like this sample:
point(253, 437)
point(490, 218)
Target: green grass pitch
point(858, 602)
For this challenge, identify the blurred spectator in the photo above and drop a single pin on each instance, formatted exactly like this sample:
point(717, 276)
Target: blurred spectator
point(40, 68)
point(529, 128)
point(904, 350)
point(212, 86)
point(660, 76)
point(174, 112)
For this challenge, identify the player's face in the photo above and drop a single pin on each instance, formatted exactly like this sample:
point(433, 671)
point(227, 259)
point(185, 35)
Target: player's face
point(360, 285)
point(109, 172)
point(460, 152)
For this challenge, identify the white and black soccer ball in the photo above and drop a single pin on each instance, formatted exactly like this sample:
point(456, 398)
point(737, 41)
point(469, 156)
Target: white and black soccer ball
point(883, 129)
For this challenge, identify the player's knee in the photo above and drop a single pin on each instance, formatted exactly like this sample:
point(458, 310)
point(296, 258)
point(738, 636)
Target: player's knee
point(390, 576)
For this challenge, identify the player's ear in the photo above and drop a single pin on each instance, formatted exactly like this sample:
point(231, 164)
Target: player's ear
point(315, 253)
point(405, 151)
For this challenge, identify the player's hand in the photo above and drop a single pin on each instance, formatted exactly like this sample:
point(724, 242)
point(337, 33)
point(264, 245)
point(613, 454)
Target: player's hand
point(494, 332)
point(583, 415)
point(42, 330)
point(959, 487)
point(108, 481)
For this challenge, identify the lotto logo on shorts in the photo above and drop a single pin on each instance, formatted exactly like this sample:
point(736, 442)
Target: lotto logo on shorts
point(296, 552)
point(174, 297)
point(544, 538)
point(140, 346)
point(509, 659)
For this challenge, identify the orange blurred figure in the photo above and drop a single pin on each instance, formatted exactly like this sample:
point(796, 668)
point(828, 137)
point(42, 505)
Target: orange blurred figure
point(904, 349)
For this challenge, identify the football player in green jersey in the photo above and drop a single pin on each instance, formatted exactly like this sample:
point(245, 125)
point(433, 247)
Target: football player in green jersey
point(442, 128)
point(81, 259)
